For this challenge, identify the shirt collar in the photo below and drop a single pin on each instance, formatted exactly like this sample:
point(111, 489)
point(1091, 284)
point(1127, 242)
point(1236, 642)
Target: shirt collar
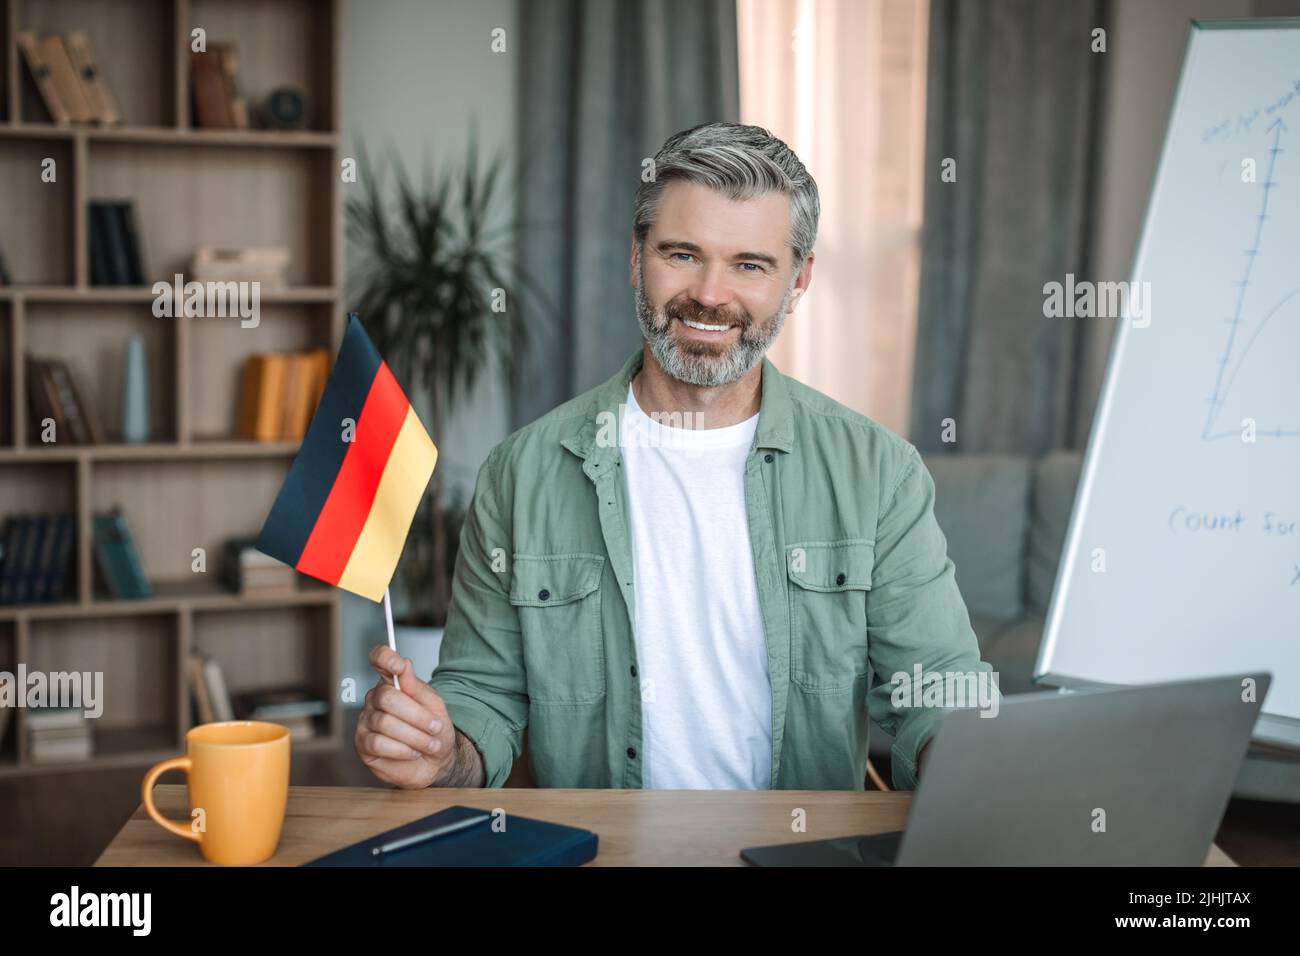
point(597, 434)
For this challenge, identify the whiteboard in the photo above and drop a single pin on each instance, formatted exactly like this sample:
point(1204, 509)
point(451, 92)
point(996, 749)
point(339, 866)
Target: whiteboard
point(1182, 558)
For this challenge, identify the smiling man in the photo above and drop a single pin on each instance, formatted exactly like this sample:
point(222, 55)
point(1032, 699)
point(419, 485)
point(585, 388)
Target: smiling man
point(702, 573)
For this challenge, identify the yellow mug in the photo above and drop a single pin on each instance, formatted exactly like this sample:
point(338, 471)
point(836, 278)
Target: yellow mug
point(238, 776)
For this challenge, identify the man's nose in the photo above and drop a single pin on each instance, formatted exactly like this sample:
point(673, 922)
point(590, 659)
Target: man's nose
point(710, 288)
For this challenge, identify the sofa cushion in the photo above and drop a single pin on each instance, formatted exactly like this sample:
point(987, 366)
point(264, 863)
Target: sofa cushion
point(982, 505)
point(1056, 476)
point(1013, 652)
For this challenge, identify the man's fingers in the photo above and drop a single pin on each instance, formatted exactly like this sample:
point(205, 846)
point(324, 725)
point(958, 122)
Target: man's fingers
point(396, 715)
point(388, 662)
point(375, 744)
point(419, 690)
point(392, 771)
point(385, 660)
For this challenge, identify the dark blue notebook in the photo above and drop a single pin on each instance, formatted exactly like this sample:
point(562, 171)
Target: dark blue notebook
point(524, 842)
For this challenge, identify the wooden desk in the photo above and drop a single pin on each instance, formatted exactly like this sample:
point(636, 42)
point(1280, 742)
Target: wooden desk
point(636, 827)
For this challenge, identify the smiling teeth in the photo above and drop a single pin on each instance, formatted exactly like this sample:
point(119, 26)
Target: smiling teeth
point(705, 328)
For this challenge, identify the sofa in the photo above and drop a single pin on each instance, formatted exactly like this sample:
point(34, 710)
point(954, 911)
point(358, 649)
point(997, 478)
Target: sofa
point(1005, 519)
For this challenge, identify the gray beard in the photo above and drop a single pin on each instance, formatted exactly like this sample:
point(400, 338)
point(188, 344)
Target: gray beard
point(697, 368)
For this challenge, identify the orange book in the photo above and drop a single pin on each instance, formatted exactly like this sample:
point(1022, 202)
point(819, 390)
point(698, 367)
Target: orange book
point(321, 365)
point(250, 382)
point(295, 394)
point(270, 397)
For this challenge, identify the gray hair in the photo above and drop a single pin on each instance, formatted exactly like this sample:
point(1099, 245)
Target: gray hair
point(741, 162)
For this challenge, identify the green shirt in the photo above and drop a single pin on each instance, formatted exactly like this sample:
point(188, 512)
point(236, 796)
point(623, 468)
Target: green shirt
point(854, 586)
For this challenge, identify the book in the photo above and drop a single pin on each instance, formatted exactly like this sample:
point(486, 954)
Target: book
point(81, 417)
point(116, 254)
point(61, 563)
point(526, 842)
point(213, 98)
point(265, 264)
point(228, 63)
point(58, 735)
point(65, 79)
point(25, 567)
point(279, 703)
point(16, 530)
point(199, 688)
point(55, 393)
point(262, 401)
point(279, 393)
point(125, 220)
point(117, 558)
point(103, 105)
point(218, 694)
point(39, 71)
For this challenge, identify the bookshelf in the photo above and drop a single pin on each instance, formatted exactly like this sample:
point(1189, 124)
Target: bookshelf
point(193, 484)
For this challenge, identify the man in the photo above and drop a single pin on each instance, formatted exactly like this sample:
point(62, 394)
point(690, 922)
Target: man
point(701, 573)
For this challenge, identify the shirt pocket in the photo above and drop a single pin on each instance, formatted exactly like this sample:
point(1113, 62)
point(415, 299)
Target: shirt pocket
point(829, 581)
point(557, 597)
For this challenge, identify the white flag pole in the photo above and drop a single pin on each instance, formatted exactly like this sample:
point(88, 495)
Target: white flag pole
point(392, 639)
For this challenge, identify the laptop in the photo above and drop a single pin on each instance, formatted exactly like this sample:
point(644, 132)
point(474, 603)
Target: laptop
point(1132, 776)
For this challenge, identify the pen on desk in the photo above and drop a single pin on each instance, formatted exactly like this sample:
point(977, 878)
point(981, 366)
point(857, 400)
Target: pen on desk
point(429, 834)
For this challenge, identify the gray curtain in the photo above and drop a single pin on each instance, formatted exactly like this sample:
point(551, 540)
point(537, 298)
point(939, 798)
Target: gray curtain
point(603, 84)
point(1013, 96)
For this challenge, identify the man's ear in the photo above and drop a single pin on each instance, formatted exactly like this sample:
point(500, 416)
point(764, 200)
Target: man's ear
point(801, 283)
point(631, 263)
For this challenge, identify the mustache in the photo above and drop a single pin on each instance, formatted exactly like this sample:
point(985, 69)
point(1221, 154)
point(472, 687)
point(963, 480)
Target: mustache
point(695, 312)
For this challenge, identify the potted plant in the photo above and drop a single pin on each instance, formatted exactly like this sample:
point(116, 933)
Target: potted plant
point(440, 298)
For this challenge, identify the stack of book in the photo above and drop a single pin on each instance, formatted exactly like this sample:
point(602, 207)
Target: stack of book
point(116, 257)
point(294, 707)
point(58, 735)
point(36, 557)
point(56, 395)
point(68, 78)
point(245, 570)
point(278, 394)
point(217, 103)
point(267, 265)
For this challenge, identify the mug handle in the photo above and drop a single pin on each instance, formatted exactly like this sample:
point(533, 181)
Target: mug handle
point(175, 763)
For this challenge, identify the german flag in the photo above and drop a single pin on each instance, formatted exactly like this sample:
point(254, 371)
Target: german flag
point(346, 506)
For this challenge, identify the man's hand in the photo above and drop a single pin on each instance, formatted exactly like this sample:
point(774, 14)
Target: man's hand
point(406, 737)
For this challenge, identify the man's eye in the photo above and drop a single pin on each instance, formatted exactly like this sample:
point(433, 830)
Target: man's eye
point(686, 254)
point(755, 265)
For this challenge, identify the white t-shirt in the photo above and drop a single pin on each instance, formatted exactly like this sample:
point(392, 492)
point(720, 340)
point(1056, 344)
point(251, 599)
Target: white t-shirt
point(702, 658)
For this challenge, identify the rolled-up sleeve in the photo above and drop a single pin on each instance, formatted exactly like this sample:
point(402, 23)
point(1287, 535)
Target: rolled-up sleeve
point(915, 616)
point(480, 673)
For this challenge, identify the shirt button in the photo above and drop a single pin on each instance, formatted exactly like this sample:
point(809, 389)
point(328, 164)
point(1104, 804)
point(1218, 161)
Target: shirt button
point(768, 458)
point(633, 670)
point(631, 753)
point(839, 579)
point(543, 595)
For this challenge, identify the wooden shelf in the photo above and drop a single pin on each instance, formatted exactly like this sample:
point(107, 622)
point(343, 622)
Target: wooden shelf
point(170, 596)
point(188, 488)
point(295, 295)
point(139, 747)
point(174, 136)
point(154, 451)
